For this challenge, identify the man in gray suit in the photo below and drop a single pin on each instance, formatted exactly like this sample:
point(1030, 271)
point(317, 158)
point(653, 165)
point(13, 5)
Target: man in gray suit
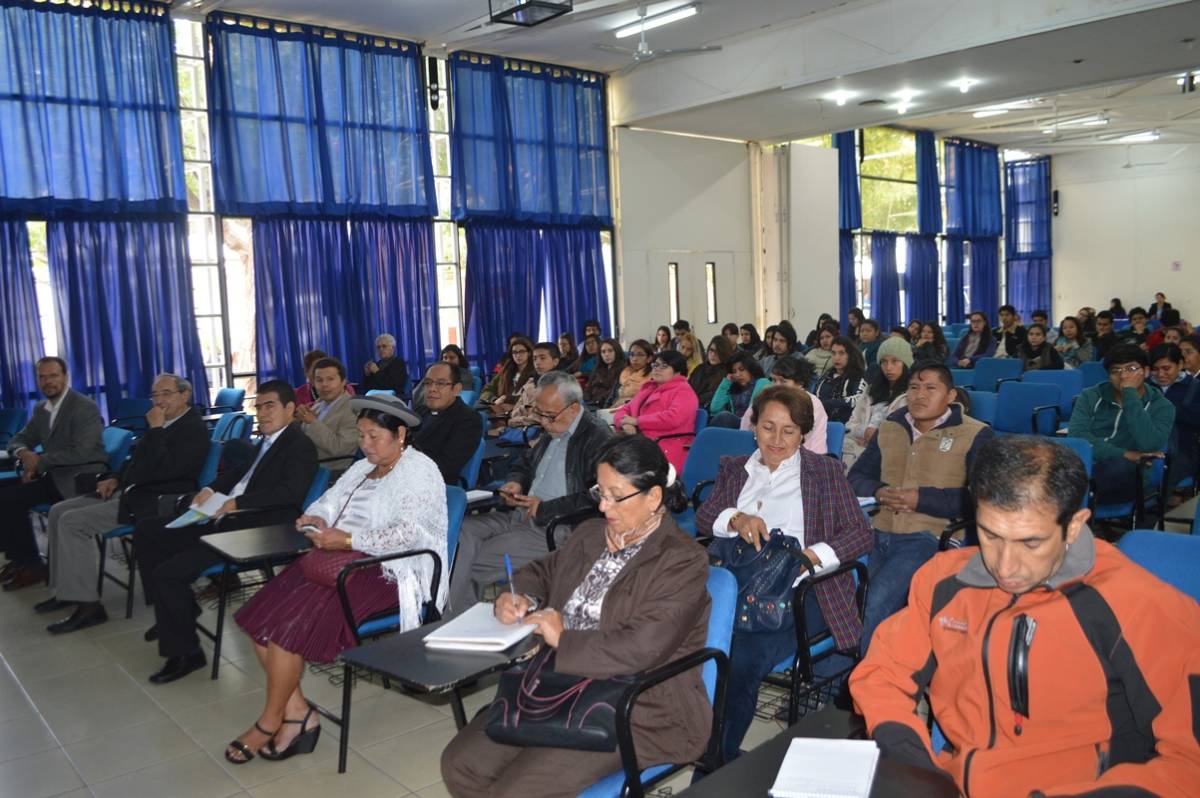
point(68, 427)
point(329, 422)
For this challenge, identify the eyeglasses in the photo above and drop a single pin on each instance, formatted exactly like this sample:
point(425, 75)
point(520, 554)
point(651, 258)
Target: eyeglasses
point(551, 416)
point(599, 497)
point(439, 384)
point(162, 394)
point(1131, 368)
point(658, 364)
point(521, 351)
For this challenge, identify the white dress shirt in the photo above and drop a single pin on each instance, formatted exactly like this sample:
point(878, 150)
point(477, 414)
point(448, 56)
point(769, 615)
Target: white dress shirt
point(244, 482)
point(775, 497)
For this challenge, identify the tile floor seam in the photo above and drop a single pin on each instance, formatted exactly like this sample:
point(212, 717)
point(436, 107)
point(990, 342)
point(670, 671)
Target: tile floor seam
point(134, 772)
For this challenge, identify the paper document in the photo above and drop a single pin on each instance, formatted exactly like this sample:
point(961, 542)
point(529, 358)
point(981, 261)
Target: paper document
point(478, 629)
point(479, 495)
point(203, 512)
point(816, 768)
point(866, 501)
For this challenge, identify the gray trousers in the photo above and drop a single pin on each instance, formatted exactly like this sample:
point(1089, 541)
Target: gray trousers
point(482, 544)
point(71, 545)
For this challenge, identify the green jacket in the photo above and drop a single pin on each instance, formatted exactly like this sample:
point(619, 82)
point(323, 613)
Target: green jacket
point(1137, 425)
point(721, 400)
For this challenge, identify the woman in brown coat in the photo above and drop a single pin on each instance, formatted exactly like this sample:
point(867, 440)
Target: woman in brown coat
point(624, 594)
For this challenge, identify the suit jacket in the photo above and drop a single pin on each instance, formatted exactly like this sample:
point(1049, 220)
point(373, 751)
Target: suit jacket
point(392, 376)
point(449, 438)
point(282, 479)
point(655, 611)
point(831, 516)
point(336, 435)
point(583, 450)
point(74, 446)
point(170, 458)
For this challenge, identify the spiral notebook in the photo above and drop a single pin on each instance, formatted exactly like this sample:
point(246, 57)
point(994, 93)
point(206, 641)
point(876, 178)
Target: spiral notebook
point(478, 629)
point(816, 768)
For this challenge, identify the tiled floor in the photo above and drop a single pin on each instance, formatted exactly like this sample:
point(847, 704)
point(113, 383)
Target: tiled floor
point(79, 718)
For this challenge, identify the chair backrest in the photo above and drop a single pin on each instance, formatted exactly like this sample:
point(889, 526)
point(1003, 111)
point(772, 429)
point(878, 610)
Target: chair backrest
point(1093, 373)
point(1173, 558)
point(384, 391)
point(990, 370)
point(1069, 382)
point(317, 488)
point(835, 438)
point(701, 420)
point(456, 510)
point(470, 472)
point(1080, 447)
point(208, 471)
point(468, 397)
point(709, 445)
point(723, 591)
point(232, 425)
point(1015, 402)
point(117, 443)
point(983, 406)
point(229, 399)
point(131, 412)
point(11, 421)
point(963, 376)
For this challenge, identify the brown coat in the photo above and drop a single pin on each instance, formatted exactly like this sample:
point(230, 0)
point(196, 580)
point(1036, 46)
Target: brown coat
point(656, 610)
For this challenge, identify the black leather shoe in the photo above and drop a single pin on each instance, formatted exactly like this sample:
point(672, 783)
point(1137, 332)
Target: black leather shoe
point(85, 615)
point(178, 667)
point(53, 604)
point(151, 634)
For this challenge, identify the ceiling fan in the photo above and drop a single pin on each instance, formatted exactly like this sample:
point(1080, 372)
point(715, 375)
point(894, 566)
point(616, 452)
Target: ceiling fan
point(644, 54)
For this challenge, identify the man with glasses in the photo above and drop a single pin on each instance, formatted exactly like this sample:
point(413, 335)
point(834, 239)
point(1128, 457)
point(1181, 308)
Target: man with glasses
point(551, 480)
point(167, 459)
point(1125, 421)
point(266, 489)
point(450, 431)
point(330, 422)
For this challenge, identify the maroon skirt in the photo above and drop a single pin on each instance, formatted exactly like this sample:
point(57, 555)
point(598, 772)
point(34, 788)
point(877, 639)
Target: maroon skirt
point(306, 618)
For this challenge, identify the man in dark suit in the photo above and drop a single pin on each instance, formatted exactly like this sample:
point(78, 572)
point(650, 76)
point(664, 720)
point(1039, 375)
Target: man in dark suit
point(272, 484)
point(388, 373)
point(68, 427)
point(450, 431)
point(167, 459)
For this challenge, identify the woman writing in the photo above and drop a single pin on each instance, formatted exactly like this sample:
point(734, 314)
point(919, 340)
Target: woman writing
point(706, 378)
point(392, 500)
point(665, 406)
point(624, 594)
point(806, 496)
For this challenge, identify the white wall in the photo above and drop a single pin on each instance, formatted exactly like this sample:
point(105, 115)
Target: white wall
point(812, 270)
point(1119, 229)
point(685, 200)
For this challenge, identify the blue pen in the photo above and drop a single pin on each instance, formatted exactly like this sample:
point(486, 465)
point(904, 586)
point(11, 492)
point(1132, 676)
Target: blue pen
point(508, 569)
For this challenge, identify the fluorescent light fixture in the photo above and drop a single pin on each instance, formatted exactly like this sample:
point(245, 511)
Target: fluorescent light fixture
point(1017, 155)
point(904, 99)
point(841, 95)
point(1047, 131)
point(1085, 121)
point(992, 112)
point(658, 20)
point(1137, 138)
point(964, 84)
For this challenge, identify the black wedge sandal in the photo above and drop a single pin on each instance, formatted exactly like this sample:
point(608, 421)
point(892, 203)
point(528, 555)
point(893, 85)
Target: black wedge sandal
point(244, 750)
point(303, 743)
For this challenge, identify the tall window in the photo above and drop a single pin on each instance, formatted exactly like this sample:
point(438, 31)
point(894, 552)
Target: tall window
point(450, 242)
point(887, 169)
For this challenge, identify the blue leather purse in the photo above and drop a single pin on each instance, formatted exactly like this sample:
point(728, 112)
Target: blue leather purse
point(764, 579)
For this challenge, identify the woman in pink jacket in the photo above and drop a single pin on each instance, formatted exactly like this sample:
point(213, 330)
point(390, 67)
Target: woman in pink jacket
point(665, 406)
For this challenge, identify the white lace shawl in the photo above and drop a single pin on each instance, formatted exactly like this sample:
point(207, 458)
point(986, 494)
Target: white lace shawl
point(407, 512)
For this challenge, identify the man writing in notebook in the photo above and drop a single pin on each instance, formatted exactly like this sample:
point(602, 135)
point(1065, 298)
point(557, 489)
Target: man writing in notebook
point(1052, 663)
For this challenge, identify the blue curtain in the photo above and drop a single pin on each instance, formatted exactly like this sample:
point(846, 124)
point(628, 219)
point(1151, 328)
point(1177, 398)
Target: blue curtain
point(985, 277)
point(505, 270)
point(529, 142)
point(123, 303)
point(1027, 243)
point(929, 191)
point(972, 189)
point(89, 110)
point(847, 284)
point(311, 121)
point(849, 202)
point(956, 310)
point(575, 283)
point(885, 283)
point(20, 325)
point(921, 278)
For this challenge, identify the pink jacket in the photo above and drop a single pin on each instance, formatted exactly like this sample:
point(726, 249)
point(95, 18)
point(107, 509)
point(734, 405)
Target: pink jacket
point(665, 409)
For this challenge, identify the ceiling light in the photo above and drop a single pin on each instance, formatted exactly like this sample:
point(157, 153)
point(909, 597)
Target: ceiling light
point(1095, 120)
point(840, 96)
point(1017, 155)
point(905, 95)
point(658, 20)
point(527, 13)
point(992, 112)
point(964, 84)
point(1136, 138)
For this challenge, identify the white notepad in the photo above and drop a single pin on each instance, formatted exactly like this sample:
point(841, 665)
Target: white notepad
point(478, 629)
point(195, 515)
point(817, 768)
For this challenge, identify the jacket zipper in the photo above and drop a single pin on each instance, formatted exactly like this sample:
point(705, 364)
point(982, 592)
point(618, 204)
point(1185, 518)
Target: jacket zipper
point(987, 682)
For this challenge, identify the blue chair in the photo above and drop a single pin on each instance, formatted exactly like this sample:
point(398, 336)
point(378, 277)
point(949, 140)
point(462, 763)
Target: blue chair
point(130, 414)
point(229, 400)
point(12, 419)
point(381, 392)
point(963, 377)
point(469, 475)
point(701, 424)
point(722, 589)
point(1130, 511)
point(983, 406)
point(1093, 373)
point(835, 438)
point(469, 397)
point(703, 461)
point(989, 371)
point(232, 425)
point(1026, 408)
point(1069, 382)
point(117, 443)
point(1173, 558)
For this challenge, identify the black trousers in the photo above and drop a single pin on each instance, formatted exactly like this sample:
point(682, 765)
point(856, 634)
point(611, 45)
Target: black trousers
point(169, 561)
point(16, 532)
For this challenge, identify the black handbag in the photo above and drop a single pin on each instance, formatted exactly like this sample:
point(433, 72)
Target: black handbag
point(537, 707)
point(764, 579)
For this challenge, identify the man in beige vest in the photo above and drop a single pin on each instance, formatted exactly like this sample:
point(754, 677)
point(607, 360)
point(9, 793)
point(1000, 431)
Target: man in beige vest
point(916, 467)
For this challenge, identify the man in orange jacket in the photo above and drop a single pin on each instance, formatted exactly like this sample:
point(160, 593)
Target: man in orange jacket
point(1054, 665)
